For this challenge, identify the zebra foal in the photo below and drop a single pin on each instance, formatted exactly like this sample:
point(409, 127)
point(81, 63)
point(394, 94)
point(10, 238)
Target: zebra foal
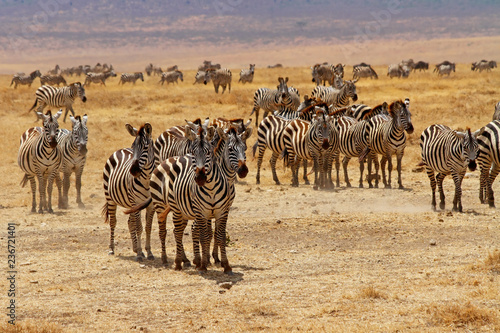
point(39, 156)
point(446, 151)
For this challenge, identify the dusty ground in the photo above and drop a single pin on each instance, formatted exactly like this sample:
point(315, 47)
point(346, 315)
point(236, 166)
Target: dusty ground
point(368, 260)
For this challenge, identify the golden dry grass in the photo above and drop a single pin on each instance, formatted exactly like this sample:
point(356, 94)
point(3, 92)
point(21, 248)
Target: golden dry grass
point(347, 260)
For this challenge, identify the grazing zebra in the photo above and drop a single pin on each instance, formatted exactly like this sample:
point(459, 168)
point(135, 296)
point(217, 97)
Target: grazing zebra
point(74, 154)
point(387, 137)
point(363, 71)
point(336, 98)
point(446, 69)
point(269, 100)
point(421, 66)
point(58, 97)
point(488, 139)
point(246, 75)
point(200, 77)
point(446, 151)
point(98, 77)
point(220, 77)
point(25, 80)
point(171, 77)
point(52, 80)
point(131, 77)
point(310, 141)
point(396, 70)
point(126, 183)
point(496, 114)
point(40, 157)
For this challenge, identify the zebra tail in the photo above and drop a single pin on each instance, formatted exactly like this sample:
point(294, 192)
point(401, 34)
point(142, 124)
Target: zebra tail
point(422, 163)
point(163, 215)
point(36, 101)
point(254, 148)
point(139, 207)
point(105, 213)
point(24, 181)
point(363, 154)
point(284, 156)
point(253, 111)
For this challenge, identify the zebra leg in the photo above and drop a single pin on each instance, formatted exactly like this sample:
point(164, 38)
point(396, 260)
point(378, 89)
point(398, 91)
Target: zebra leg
point(50, 184)
point(138, 232)
point(294, 162)
point(111, 212)
point(361, 170)
point(162, 230)
point(483, 179)
point(495, 169)
point(337, 168)
point(132, 231)
point(229, 87)
point(220, 235)
point(304, 164)
point(457, 201)
point(149, 223)
point(33, 193)
point(215, 251)
point(223, 88)
point(430, 174)
point(345, 162)
point(262, 149)
point(383, 161)
point(440, 178)
point(205, 238)
point(272, 161)
point(328, 170)
point(66, 185)
point(317, 167)
point(195, 235)
point(42, 190)
point(399, 157)
point(59, 184)
point(78, 185)
point(377, 167)
point(216, 86)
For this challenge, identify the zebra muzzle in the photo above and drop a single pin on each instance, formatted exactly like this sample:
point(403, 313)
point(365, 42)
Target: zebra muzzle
point(83, 150)
point(409, 130)
point(472, 165)
point(84, 99)
point(355, 97)
point(200, 176)
point(52, 142)
point(326, 144)
point(242, 169)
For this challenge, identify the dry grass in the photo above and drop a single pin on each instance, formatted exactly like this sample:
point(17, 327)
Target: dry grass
point(308, 272)
point(31, 326)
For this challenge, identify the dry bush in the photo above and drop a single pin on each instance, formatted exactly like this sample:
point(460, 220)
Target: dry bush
point(492, 262)
point(31, 327)
point(461, 315)
point(371, 292)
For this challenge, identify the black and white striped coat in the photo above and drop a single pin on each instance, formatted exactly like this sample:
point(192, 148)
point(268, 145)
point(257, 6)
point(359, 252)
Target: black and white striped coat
point(271, 100)
point(98, 77)
point(25, 79)
point(336, 98)
point(131, 77)
point(387, 137)
point(363, 71)
point(171, 77)
point(200, 77)
point(246, 75)
point(126, 178)
point(40, 157)
point(488, 139)
point(52, 80)
point(220, 77)
point(58, 97)
point(73, 145)
point(446, 151)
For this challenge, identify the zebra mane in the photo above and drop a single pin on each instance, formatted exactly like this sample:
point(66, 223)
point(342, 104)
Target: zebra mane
point(393, 106)
point(339, 112)
point(375, 111)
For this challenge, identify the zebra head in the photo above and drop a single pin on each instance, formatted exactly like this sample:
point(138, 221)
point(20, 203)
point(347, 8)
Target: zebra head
point(350, 89)
point(208, 75)
point(496, 115)
point(80, 133)
point(50, 127)
point(470, 147)
point(203, 155)
point(339, 70)
point(237, 150)
point(142, 148)
point(179, 73)
point(401, 116)
point(315, 74)
point(252, 68)
point(141, 76)
point(321, 128)
point(80, 90)
point(35, 74)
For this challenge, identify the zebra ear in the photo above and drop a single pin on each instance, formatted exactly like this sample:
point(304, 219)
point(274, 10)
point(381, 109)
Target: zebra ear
point(245, 135)
point(73, 120)
point(222, 134)
point(460, 135)
point(286, 79)
point(58, 114)
point(131, 130)
point(148, 128)
point(354, 81)
point(189, 134)
point(248, 123)
point(84, 119)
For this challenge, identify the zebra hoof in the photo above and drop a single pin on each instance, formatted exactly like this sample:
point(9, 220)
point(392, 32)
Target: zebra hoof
point(186, 264)
point(151, 256)
point(111, 252)
point(81, 205)
point(441, 206)
point(230, 272)
point(401, 187)
point(315, 187)
point(139, 258)
point(306, 182)
point(277, 182)
point(360, 185)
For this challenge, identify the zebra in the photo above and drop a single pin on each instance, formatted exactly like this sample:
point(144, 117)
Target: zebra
point(446, 151)
point(446, 63)
point(54, 71)
point(149, 69)
point(496, 114)
point(322, 73)
point(200, 77)
point(488, 139)
point(362, 111)
point(275, 66)
point(397, 70)
point(269, 100)
point(93, 77)
point(421, 66)
point(410, 64)
point(171, 77)
point(305, 140)
point(226, 124)
point(387, 137)
point(58, 97)
point(39, 156)
point(74, 154)
point(172, 68)
point(25, 80)
point(220, 77)
point(336, 98)
point(131, 77)
point(446, 69)
point(363, 71)
point(52, 80)
point(246, 75)
point(126, 183)
point(482, 66)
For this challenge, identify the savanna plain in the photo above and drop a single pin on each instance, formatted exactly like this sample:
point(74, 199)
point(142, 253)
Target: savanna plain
point(346, 260)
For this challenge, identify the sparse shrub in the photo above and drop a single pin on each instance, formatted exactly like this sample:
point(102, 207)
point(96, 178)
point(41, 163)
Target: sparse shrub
point(460, 315)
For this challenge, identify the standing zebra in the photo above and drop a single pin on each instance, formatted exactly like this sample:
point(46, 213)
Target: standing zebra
point(310, 141)
point(387, 137)
point(40, 157)
point(52, 80)
point(131, 77)
point(126, 183)
point(58, 97)
point(171, 77)
point(246, 75)
point(488, 158)
point(270, 100)
point(447, 151)
point(446, 69)
point(74, 151)
point(25, 80)
point(220, 77)
point(98, 77)
point(336, 98)
point(363, 71)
